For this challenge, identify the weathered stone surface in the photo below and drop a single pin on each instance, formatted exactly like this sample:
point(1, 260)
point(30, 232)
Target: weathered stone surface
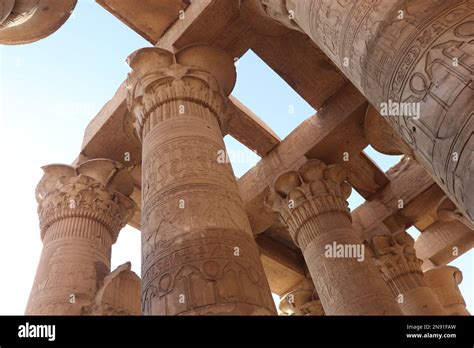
point(25, 21)
point(81, 210)
point(198, 251)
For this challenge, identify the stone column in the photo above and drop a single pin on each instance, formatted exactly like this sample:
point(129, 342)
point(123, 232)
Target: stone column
point(302, 300)
point(81, 210)
point(199, 255)
point(25, 21)
point(396, 258)
point(312, 202)
point(412, 60)
point(444, 281)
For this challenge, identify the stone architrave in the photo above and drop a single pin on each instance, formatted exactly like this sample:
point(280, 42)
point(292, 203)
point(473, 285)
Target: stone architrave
point(199, 254)
point(26, 21)
point(396, 259)
point(444, 281)
point(312, 202)
point(413, 62)
point(301, 300)
point(82, 210)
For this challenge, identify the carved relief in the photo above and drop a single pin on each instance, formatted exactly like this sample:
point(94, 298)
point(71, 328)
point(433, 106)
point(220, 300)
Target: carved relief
point(195, 271)
point(184, 158)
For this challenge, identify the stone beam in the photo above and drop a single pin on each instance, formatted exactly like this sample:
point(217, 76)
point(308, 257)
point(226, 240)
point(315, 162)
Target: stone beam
point(301, 64)
point(149, 18)
point(408, 180)
point(283, 266)
point(335, 130)
point(216, 22)
point(442, 242)
point(250, 130)
point(111, 133)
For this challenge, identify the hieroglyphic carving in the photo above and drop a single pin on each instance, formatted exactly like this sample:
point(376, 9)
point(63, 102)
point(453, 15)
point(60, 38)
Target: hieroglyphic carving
point(198, 252)
point(408, 52)
point(208, 267)
point(181, 158)
point(81, 210)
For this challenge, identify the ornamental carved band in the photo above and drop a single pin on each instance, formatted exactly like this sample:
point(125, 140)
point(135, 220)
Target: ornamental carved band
point(302, 195)
point(407, 53)
point(97, 189)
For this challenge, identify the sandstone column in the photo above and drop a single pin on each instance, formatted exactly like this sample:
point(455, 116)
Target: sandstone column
point(444, 281)
point(312, 202)
point(25, 21)
point(199, 255)
point(81, 210)
point(396, 258)
point(416, 52)
point(302, 300)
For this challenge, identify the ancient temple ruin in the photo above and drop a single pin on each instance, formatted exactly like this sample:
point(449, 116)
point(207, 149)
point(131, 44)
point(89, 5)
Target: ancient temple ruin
point(396, 75)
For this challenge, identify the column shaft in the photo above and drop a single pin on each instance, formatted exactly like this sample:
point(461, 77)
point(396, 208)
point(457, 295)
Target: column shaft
point(75, 258)
point(82, 210)
point(199, 255)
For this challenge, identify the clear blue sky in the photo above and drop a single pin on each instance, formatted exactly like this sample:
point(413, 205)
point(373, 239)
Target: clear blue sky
point(49, 92)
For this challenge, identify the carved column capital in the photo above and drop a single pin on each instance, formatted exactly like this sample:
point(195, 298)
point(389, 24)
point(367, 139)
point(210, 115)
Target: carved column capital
point(395, 256)
point(314, 189)
point(98, 189)
point(25, 21)
point(161, 80)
